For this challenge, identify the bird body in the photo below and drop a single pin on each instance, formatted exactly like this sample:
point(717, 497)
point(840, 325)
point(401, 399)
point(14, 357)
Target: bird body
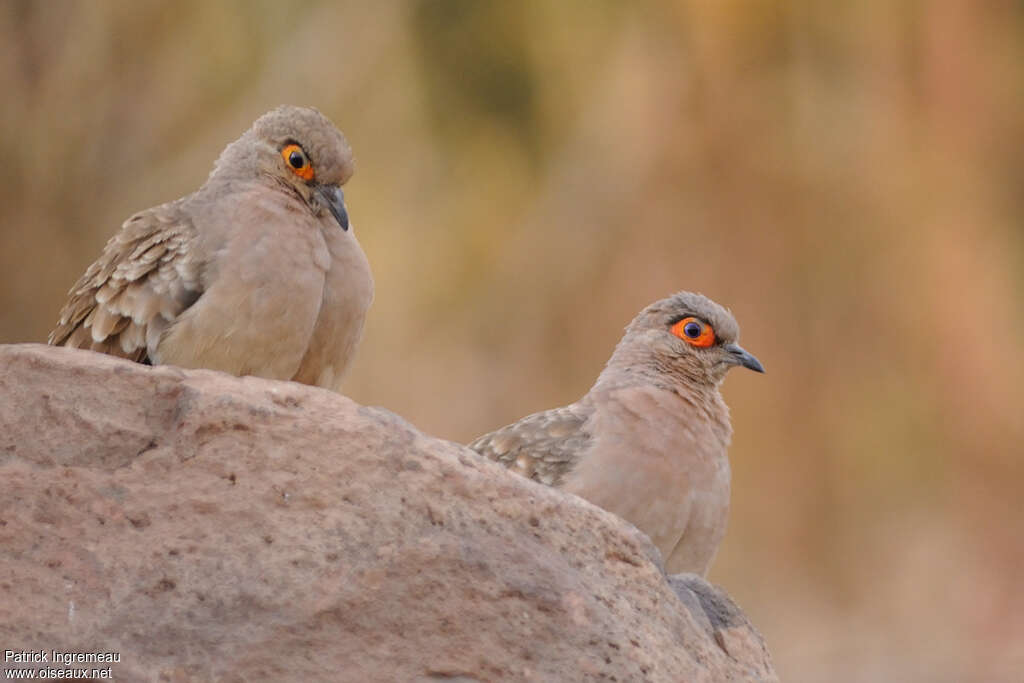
point(256, 273)
point(649, 441)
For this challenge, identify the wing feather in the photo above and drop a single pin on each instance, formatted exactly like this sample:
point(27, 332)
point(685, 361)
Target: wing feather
point(543, 446)
point(146, 276)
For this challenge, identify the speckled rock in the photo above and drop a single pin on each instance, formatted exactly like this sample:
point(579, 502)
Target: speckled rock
point(208, 527)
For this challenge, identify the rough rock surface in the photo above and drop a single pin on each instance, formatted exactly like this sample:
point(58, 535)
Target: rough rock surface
point(206, 527)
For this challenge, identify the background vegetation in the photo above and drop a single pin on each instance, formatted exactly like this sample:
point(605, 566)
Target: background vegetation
point(846, 176)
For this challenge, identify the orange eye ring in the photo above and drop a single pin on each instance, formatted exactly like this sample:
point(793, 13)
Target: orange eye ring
point(694, 332)
point(297, 161)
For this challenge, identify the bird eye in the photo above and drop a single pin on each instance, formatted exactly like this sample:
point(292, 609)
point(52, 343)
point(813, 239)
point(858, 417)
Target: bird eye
point(296, 159)
point(694, 332)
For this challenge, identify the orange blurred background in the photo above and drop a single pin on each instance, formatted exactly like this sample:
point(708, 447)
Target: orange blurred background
point(847, 177)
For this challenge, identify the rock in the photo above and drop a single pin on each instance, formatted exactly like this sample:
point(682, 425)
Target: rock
point(208, 527)
point(722, 620)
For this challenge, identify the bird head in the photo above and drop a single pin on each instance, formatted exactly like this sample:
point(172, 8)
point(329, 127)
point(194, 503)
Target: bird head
point(298, 150)
point(686, 336)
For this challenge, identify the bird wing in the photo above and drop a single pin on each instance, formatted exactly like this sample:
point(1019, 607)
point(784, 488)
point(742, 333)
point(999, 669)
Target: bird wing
point(142, 282)
point(543, 446)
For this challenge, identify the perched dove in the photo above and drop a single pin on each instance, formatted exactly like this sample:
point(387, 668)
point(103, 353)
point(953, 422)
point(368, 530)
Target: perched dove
point(648, 441)
point(256, 273)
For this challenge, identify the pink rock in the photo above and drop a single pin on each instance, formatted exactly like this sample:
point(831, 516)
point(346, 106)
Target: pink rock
point(206, 527)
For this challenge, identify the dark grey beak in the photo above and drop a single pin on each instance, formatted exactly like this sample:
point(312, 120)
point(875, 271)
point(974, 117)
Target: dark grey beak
point(739, 356)
point(334, 198)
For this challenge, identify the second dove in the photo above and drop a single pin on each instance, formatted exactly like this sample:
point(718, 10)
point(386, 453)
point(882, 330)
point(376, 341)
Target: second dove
point(256, 273)
point(649, 441)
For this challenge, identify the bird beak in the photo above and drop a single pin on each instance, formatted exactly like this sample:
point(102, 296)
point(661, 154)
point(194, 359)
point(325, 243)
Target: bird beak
point(739, 356)
point(334, 198)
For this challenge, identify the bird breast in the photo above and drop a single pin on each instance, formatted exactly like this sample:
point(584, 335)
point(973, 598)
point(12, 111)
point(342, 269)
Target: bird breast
point(347, 295)
point(659, 461)
point(263, 279)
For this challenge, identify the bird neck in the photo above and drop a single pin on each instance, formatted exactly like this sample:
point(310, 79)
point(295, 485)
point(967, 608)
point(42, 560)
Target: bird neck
point(634, 365)
point(237, 161)
point(698, 398)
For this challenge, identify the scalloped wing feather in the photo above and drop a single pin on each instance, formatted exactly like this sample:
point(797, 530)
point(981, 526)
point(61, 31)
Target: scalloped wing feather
point(544, 446)
point(144, 279)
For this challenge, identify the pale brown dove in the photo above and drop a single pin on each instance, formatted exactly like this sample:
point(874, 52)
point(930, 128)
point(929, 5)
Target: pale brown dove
point(256, 273)
point(648, 442)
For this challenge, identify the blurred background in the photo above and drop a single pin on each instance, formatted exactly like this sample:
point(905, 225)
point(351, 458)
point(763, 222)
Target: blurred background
point(846, 176)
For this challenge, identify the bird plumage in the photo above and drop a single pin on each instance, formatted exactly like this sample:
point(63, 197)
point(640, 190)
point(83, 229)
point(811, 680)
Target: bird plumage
point(256, 273)
point(145, 278)
point(649, 440)
point(543, 446)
